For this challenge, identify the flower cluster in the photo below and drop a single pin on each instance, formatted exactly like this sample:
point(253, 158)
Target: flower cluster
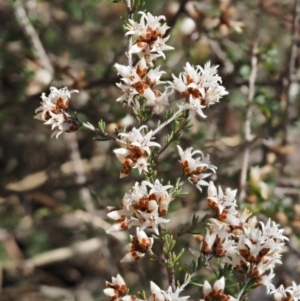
point(142, 79)
point(236, 239)
point(199, 86)
point(149, 36)
point(286, 294)
point(194, 168)
point(250, 247)
point(139, 80)
point(116, 291)
point(142, 208)
point(116, 288)
point(53, 111)
point(135, 150)
point(139, 246)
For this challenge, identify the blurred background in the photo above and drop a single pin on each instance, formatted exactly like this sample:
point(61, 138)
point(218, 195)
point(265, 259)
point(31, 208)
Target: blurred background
point(54, 192)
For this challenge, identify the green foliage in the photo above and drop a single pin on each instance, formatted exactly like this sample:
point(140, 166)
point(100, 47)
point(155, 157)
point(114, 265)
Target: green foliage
point(194, 227)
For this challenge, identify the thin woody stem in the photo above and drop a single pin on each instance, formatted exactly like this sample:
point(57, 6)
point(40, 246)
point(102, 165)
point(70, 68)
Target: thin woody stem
point(241, 293)
point(167, 261)
point(33, 36)
point(156, 257)
point(94, 129)
point(287, 83)
point(168, 121)
point(175, 134)
point(249, 112)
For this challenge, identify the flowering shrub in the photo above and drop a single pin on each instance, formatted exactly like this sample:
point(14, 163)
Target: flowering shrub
point(236, 239)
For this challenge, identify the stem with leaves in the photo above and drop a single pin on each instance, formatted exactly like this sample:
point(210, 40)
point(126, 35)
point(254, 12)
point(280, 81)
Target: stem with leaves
point(101, 132)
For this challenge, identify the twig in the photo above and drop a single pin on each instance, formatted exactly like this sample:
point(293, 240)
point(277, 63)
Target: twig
point(85, 194)
point(57, 292)
point(24, 22)
point(174, 135)
point(94, 129)
point(228, 65)
point(180, 110)
point(1, 277)
point(287, 90)
point(193, 226)
point(247, 125)
point(168, 259)
point(70, 138)
point(241, 292)
point(58, 255)
point(286, 191)
point(155, 257)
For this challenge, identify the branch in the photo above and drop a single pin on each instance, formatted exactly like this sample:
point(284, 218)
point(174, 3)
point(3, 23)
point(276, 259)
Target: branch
point(247, 126)
point(58, 255)
point(287, 89)
point(24, 22)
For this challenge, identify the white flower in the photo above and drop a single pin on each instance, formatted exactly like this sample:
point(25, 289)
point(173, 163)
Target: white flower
point(151, 220)
point(280, 293)
point(271, 230)
point(153, 76)
point(187, 161)
point(158, 190)
point(266, 280)
point(141, 164)
point(195, 167)
point(222, 200)
point(162, 99)
point(199, 86)
point(135, 149)
point(159, 295)
point(194, 106)
point(136, 137)
point(56, 120)
point(58, 99)
point(128, 93)
point(139, 245)
point(217, 291)
point(133, 83)
point(295, 291)
point(159, 46)
point(115, 288)
point(148, 32)
point(52, 111)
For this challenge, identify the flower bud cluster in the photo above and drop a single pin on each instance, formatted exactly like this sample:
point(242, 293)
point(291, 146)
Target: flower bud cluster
point(250, 247)
point(194, 168)
point(142, 207)
point(53, 111)
point(135, 150)
point(216, 292)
